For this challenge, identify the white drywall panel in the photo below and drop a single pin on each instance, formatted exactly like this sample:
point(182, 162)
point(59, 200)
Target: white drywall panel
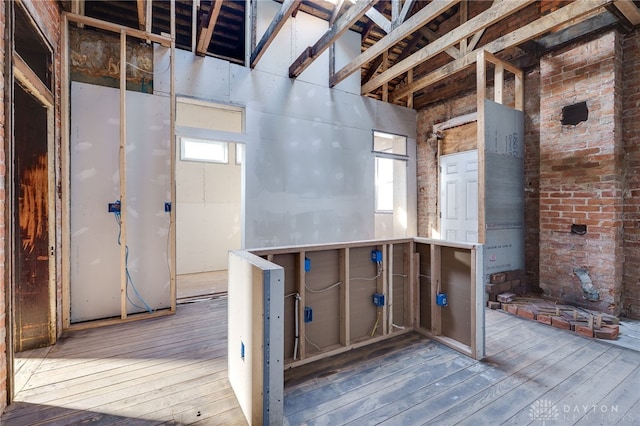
point(256, 337)
point(95, 182)
point(295, 36)
point(309, 169)
point(94, 171)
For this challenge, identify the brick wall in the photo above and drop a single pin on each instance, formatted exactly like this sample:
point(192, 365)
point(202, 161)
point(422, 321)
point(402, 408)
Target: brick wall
point(631, 137)
point(581, 174)
point(46, 15)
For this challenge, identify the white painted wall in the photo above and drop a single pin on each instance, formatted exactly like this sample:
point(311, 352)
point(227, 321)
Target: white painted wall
point(309, 162)
point(207, 213)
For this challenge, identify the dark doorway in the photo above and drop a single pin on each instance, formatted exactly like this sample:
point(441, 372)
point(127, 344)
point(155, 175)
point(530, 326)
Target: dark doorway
point(33, 323)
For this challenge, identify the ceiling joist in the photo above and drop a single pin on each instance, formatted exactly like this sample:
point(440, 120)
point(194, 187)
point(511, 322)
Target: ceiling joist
point(206, 31)
point(485, 19)
point(288, 9)
point(528, 32)
point(424, 16)
point(629, 10)
point(379, 19)
point(342, 24)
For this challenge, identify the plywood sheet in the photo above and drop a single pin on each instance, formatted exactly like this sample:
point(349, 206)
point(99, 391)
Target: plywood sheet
point(324, 330)
point(456, 282)
point(459, 139)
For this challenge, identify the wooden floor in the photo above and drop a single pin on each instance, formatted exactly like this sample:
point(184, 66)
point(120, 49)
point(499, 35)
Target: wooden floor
point(172, 370)
point(193, 286)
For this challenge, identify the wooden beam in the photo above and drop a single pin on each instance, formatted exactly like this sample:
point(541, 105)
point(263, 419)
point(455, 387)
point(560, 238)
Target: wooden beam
point(108, 26)
point(379, 19)
point(124, 278)
point(30, 81)
point(172, 159)
point(498, 83)
point(481, 96)
point(425, 15)
point(464, 16)
point(336, 12)
point(286, 10)
point(629, 10)
point(395, 13)
point(483, 20)
point(342, 24)
point(452, 51)
point(406, 8)
point(514, 38)
point(149, 16)
point(142, 14)
point(206, 31)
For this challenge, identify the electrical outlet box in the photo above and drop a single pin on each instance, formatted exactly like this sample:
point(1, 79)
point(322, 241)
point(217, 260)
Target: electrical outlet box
point(378, 300)
point(441, 299)
point(242, 350)
point(307, 264)
point(376, 256)
point(167, 207)
point(114, 207)
point(308, 314)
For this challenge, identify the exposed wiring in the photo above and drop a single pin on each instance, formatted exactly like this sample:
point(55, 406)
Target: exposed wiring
point(372, 278)
point(289, 295)
point(400, 275)
point(375, 326)
point(425, 276)
point(118, 218)
point(312, 344)
point(322, 290)
point(397, 326)
point(148, 72)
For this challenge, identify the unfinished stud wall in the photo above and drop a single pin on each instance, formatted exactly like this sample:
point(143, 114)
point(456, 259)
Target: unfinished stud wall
point(4, 285)
point(631, 137)
point(580, 175)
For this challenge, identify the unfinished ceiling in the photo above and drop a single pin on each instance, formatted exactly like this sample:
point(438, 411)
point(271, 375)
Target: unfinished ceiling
point(414, 52)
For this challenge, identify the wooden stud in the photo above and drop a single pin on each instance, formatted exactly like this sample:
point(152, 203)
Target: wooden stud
point(385, 87)
point(204, 38)
point(415, 285)
point(172, 156)
point(302, 334)
point(481, 87)
point(498, 83)
point(108, 26)
point(410, 95)
point(66, 178)
point(464, 16)
point(345, 302)
point(389, 302)
point(286, 10)
point(123, 175)
point(383, 288)
point(519, 95)
point(436, 311)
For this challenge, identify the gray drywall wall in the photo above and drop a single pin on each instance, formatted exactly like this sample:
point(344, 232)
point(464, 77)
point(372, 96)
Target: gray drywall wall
point(309, 170)
point(504, 188)
point(95, 182)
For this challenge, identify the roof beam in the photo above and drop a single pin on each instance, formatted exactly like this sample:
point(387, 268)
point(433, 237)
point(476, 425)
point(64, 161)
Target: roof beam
point(142, 14)
point(425, 15)
point(532, 30)
point(406, 8)
point(379, 19)
point(629, 10)
point(206, 31)
point(287, 9)
point(485, 19)
point(342, 24)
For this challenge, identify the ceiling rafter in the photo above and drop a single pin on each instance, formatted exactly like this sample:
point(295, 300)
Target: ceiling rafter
point(530, 31)
point(206, 31)
point(426, 14)
point(289, 7)
point(342, 24)
point(485, 19)
point(382, 21)
point(142, 14)
point(629, 10)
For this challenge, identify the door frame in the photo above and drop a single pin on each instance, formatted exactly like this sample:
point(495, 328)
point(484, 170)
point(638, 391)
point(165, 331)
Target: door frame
point(18, 72)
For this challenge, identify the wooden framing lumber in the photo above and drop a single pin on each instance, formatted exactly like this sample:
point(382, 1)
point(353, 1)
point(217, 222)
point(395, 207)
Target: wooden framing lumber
point(286, 10)
point(514, 38)
point(426, 14)
point(380, 20)
point(142, 14)
point(30, 81)
point(485, 19)
point(124, 280)
point(342, 24)
point(629, 10)
point(406, 8)
point(65, 247)
point(108, 26)
point(206, 31)
point(172, 156)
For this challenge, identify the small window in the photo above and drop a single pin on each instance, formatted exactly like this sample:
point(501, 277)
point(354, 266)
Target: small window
point(239, 153)
point(389, 144)
point(384, 184)
point(204, 150)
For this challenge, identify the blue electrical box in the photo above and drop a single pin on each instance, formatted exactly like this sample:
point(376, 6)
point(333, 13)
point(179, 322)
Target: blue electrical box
point(167, 207)
point(242, 350)
point(378, 300)
point(376, 256)
point(308, 314)
point(441, 299)
point(114, 207)
point(307, 264)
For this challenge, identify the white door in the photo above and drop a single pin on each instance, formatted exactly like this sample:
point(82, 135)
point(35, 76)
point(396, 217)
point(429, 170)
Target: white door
point(459, 196)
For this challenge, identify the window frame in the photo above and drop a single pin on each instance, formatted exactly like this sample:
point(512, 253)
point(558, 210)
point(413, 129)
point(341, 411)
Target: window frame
point(184, 157)
point(389, 156)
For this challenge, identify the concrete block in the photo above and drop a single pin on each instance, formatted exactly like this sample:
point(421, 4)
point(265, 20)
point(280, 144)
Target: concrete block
point(494, 305)
point(506, 297)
